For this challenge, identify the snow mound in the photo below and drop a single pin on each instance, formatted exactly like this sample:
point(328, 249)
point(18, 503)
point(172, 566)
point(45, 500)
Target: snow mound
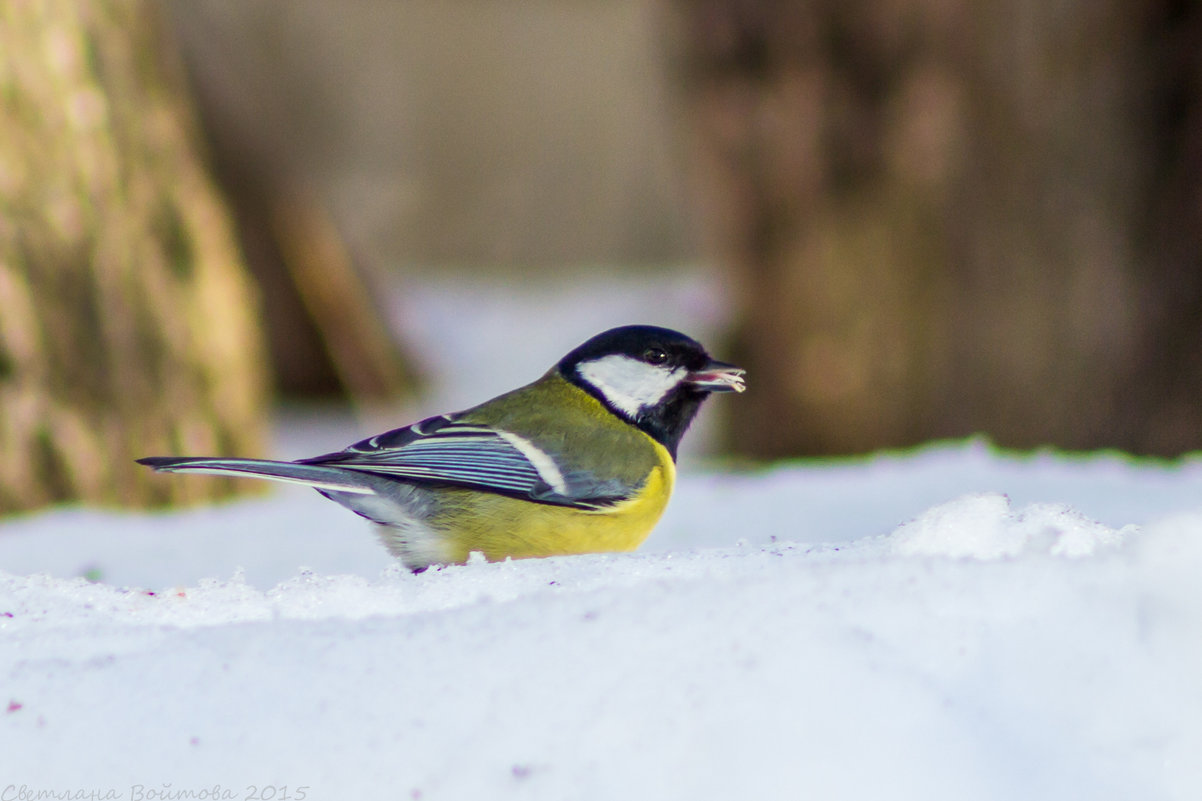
point(984, 526)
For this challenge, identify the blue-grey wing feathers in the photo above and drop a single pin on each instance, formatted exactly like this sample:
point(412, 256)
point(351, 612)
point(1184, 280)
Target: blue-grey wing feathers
point(446, 450)
point(438, 450)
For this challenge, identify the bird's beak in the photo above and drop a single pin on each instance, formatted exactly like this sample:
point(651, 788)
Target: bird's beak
point(718, 377)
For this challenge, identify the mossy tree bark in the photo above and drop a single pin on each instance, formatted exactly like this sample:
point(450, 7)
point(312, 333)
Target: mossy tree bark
point(127, 325)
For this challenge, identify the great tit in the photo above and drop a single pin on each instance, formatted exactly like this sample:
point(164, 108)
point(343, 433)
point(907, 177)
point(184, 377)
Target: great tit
point(580, 461)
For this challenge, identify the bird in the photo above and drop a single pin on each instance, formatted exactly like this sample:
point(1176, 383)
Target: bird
point(582, 460)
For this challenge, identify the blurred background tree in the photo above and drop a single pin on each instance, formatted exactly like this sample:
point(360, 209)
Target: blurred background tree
point(126, 322)
point(926, 219)
point(954, 217)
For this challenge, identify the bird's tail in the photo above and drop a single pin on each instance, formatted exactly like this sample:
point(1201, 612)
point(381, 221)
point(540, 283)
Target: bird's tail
point(319, 477)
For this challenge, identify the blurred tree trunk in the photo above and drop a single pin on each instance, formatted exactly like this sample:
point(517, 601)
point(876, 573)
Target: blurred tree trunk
point(937, 218)
point(1170, 240)
point(127, 325)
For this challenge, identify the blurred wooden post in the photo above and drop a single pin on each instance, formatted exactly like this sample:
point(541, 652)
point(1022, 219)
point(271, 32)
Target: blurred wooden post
point(327, 333)
point(127, 324)
point(365, 358)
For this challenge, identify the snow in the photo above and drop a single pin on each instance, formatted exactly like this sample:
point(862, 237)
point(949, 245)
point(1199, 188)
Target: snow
point(892, 627)
point(954, 622)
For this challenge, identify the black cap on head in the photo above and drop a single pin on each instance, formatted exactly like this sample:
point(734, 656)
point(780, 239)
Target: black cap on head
point(636, 341)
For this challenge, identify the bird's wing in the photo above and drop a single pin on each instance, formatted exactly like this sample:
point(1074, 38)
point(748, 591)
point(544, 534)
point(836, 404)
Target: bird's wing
point(443, 450)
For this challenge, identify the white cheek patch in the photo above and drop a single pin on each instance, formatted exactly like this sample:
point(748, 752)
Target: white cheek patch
point(629, 384)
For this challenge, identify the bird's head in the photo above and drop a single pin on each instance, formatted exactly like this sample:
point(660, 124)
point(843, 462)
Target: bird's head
point(655, 378)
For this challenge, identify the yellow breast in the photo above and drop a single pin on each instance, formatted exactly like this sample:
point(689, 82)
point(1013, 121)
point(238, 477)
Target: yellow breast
point(501, 527)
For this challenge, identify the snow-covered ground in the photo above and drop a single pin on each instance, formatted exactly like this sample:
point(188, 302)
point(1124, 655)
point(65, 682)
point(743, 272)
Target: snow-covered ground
point(857, 630)
point(884, 628)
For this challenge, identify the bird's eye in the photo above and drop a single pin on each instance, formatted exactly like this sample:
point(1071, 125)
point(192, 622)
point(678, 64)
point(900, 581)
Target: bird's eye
point(655, 356)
